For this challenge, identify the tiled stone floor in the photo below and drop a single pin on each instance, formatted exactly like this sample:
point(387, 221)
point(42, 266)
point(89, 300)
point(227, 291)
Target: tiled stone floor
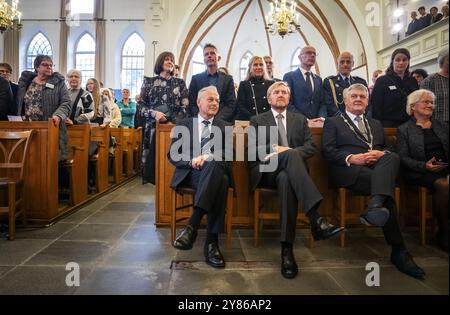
point(120, 251)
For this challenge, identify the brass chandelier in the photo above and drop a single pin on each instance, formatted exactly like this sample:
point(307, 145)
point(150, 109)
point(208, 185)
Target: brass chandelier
point(282, 18)
point(9, 16)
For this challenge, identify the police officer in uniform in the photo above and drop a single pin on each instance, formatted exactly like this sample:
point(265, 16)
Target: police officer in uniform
point(334, 86)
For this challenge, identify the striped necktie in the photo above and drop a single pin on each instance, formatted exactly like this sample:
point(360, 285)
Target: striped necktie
point(206, 136)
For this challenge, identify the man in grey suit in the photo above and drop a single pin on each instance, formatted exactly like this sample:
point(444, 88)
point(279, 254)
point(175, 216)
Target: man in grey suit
point(290, 147)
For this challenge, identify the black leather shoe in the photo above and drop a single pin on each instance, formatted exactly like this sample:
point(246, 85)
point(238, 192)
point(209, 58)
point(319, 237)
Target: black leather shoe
point(213, 256)
point(186, 239)
point(405, 263)
point(324, 230)
point(289, 268)
point(375, 216)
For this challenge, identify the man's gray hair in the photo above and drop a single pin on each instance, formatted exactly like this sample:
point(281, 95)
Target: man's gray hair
point(74, 71)
point(206, 89)
point(441, 57)
point(356, 86)
point(415, 97)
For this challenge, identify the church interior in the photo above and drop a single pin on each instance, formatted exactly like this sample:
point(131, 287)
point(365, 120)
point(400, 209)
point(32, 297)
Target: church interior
point(110, 230)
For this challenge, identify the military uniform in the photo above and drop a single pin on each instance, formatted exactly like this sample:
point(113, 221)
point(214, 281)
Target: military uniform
point(334, 98)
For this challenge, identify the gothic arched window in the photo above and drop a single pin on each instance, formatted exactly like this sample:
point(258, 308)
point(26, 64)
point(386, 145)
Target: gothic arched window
point(132, 73)
point(39, 45)
point(85, 57)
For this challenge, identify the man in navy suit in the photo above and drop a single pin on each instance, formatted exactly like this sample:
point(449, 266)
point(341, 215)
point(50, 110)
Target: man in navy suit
point(210, 177)
point(306, 87)
point(224, 84)
point(356, 149)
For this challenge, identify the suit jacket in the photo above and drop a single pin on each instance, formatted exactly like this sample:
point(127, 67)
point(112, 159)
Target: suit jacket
point(6, 99)
point(183, 168)
point(226, 91)
point(298, 134)
point(334, 109)
point(411, 144)
point(339, 141)
point(312, 106)
point(412, 27)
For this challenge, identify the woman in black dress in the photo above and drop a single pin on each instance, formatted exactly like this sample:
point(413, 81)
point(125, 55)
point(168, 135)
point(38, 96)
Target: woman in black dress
point(164, 98)
point(252, 93)
point(423, 148)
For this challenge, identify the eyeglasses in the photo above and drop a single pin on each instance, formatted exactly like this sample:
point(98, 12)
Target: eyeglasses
point(46, 65)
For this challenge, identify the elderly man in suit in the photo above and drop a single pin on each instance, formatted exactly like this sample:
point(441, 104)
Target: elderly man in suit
point(201, 165)
point(290, 147)
point(306, 87)
point(355, 146)
point(223, 82)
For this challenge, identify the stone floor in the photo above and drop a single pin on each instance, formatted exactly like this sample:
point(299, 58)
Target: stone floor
point(120, 251)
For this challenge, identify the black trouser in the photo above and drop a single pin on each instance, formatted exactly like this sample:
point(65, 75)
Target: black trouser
point(380, 180)
point(294, 186)
point(211, 184)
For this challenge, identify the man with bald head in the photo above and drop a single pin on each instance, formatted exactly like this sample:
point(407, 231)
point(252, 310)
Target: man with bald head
point(333, 86)
point(306, 87)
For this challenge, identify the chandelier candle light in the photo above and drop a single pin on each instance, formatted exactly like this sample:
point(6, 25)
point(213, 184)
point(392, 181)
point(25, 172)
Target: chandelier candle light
point(282, 18)
point(9, 16)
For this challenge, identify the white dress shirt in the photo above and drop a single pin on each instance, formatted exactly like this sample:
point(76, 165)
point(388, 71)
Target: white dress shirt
point(275, 114)
point(303, 72)
point(201, 126)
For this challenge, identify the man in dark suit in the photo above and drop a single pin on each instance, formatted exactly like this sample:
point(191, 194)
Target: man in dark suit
point(224, 84)
point(288, 138)
point(306, 87)
point(413, 25)
point(334, 85)
point(5, 72)
point(200, 164)
point(6, 99)
point(359, 160)
point(424, 20)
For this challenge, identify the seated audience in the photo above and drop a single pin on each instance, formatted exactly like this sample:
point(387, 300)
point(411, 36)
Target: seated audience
point(127, 109)
point(356, 148)
point(422, 144)
point(252, 93)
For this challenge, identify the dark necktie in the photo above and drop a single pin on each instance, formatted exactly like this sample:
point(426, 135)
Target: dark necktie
point(347, 82)
point(362, 126)
point(206, 136)
point(282, 137)
point(309, 86)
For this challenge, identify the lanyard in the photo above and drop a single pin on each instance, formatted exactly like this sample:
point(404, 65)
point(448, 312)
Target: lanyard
point(363, 139)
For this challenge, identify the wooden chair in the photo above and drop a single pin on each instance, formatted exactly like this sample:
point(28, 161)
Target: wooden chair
point(342, 215)
point(12, 165)
point(424, 215)
point(260, 216)
point(187, 191)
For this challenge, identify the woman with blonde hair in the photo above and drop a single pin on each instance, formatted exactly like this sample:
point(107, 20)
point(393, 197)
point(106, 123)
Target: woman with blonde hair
point(99, 108)
point(252, 92)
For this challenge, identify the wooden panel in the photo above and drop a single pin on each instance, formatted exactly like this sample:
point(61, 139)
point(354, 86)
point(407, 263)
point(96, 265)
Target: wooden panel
point(137, 149)
point(78, 151)
point(128, 143)
point(41, 171)
point(118, 152)
point(101, 135)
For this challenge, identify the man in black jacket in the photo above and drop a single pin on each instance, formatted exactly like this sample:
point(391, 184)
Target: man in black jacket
point(288, 138)
point(199, 158)
point(5, 72)
point(6, 99)
point(359, 160)
point(224, 84)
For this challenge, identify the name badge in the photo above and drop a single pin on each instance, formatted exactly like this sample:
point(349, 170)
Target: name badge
point(392, 87)
point(50, 86)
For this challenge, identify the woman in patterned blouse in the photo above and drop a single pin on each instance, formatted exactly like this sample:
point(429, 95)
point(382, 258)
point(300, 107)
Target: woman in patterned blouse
point(165, 99)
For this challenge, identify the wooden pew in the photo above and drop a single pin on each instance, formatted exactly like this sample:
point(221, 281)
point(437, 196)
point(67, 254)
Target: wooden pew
point(128, 144)
point(137, 149)
point(101, 135)
point(118, 165)
point(78, 140)
point(41, 174)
